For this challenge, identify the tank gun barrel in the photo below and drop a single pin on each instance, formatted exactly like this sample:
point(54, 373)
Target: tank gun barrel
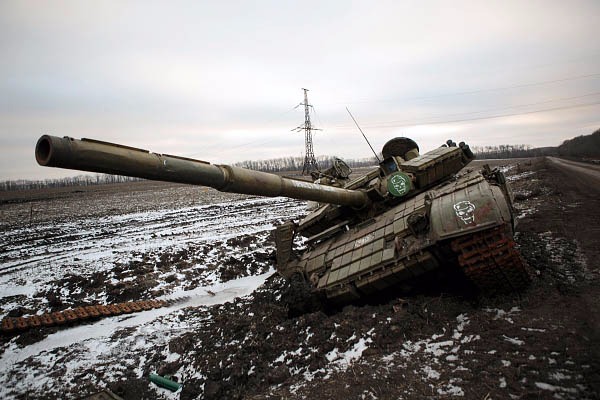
point(109, 158)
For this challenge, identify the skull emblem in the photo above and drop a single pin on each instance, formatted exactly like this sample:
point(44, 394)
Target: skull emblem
point(464, 210)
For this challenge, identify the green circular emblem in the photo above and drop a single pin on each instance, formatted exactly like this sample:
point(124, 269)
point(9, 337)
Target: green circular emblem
point(399, 184)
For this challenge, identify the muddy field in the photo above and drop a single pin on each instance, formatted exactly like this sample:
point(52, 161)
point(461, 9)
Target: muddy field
point(228, 332)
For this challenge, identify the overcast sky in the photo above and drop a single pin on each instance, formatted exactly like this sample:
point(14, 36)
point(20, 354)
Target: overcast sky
point(219, 81)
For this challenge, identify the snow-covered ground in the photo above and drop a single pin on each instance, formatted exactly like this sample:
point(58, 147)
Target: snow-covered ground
point(36, 259)
point(226, 334)
point(33, 255)
point(99, 346)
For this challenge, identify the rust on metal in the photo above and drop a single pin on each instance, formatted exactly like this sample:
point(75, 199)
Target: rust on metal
point(75, 315)
point(103, 310)
point(35, 321)
point(124, 308)
point(70, 315)
point(81, 313)
point(47, 320)
point(58, 318)
point(491, 262)
point(8, 325)
point(21, 323)
point(114, 309)
point(92, 311)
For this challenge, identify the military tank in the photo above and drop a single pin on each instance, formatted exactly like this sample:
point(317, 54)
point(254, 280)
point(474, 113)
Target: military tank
point(414, 214)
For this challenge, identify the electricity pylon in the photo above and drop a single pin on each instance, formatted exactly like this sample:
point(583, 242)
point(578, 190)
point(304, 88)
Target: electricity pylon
point(310, 163)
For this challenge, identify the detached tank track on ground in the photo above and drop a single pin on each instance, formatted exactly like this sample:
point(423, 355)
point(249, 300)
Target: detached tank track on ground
point(70, 316)
point(489, 259)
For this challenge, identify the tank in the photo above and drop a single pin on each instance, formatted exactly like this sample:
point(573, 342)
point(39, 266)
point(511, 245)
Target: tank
point(414, 217)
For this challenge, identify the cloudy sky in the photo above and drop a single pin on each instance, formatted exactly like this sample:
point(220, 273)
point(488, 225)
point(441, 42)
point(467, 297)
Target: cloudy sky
point(220, 80)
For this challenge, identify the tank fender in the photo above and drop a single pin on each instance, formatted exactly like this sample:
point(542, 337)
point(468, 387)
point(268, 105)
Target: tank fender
point(471, 209)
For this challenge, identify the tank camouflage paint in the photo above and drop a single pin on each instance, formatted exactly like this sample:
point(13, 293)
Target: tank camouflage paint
point(387, 228)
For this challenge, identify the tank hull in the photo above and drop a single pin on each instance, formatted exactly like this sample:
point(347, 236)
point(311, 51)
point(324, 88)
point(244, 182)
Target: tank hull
point(392, 248)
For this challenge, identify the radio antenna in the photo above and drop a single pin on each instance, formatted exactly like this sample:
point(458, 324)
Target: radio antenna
point(361, 131)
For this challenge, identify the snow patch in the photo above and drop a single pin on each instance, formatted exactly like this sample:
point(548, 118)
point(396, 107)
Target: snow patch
point(345, 359)
point(554, 388)
point(515, 341)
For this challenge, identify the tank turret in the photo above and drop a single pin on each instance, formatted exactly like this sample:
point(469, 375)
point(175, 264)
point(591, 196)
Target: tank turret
point(413, 214)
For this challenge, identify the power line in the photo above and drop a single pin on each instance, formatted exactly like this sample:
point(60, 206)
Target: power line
point(310, 163)
point(316, 116)
point(517, 86)
point(409, 121)
point(487, 117)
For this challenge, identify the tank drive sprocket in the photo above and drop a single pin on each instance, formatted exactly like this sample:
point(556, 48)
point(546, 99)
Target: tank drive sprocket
point(489, 259)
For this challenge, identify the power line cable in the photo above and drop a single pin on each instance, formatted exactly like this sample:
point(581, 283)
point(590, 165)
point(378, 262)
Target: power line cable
point(572, 78)
point(414, 123)
point(487, 117)
point(445, 95)
point(411, 121)
point(317, 117)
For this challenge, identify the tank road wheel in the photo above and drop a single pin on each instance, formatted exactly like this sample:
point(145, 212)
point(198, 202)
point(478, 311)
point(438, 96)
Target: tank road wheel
point(489, 259)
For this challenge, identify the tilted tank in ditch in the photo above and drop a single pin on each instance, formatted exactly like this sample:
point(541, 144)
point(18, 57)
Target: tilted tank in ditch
point(412, 215)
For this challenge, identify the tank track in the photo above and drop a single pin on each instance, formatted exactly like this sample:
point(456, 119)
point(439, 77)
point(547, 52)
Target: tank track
point(489, 259)
point(11, 325)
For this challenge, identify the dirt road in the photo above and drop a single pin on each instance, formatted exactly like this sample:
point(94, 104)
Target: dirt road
point(580, 171)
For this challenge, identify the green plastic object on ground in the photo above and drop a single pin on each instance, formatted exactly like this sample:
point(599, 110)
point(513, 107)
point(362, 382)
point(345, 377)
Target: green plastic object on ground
point(165, 383)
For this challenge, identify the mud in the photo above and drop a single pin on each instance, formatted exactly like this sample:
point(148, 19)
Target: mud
point(439, 341)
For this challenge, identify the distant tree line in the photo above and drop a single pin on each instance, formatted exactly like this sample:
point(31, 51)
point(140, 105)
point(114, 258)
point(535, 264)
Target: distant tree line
point(80, 180)
point(511, 151)
point(297, 163)
point(273, 165)
point(586, 146)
